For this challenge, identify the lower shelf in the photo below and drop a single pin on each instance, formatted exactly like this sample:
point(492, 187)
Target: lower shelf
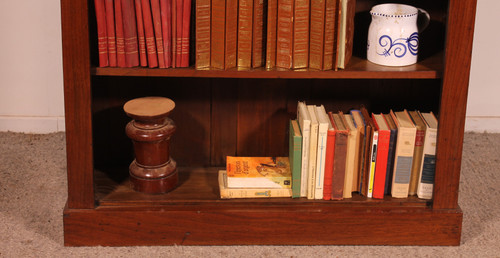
point(194, 215)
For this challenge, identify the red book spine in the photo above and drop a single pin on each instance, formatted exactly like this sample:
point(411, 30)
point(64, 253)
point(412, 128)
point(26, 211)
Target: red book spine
point(155, 10)
point(120, 38)
point(173, 29)
point(330, 153)
point(110, 31)
point(130, 33)
point(300, 48)
point(202, 34)
point(102, 38)
point(180, 19)
point(140, 34)
point(257, 36)
point(186, 18)
point(231, 34)
point(245, 17)
point(166, 19)
point(384, 137)
point(272, 12)
point(284, 34)
point(317, 34)
point(149, 34)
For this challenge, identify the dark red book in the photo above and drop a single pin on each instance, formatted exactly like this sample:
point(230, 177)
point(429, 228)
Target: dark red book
point(180, 20)
point(173, 27)
point(384, 137)
point(339, 160)
point(130, 33)
point(186, 18)
point(149, 34)
point(120, 36)
point(329, 156)
point(166, 20)
point(155, 11)
point(102, 38)
point(143, 60)
point(110, 31)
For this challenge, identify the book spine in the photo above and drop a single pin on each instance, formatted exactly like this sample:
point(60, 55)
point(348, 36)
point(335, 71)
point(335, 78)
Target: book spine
point(320, 161)
point(130, 33)
point(330, 154)
point(143, 60)
point(257, 33)
point(149, 34)
point(155, 11)
point(373, 160)
point(306, 135)
point(403, 162)
point(120, 36)
point(186, 21)
point(317, 34)
point(110, 32)
point(179, 23)
point(173, 30)
point(236, 193)
point(166, 18)
point(217, 43)
point(390, 162)
point(349, 31)
point(417, 158)
point(339, 161)
point(203, 13)
point(272, 12)
point(231, 34)
point(329, 34)
point(313, 146)
point(426, 181)
point(102, 37)
point(381, 164)
point(300, 47)
point(295, 152)
point(245, 18)
point(284, 36)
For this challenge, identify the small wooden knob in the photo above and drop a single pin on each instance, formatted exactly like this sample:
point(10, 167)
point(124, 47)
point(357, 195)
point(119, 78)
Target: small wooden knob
point(149, 108)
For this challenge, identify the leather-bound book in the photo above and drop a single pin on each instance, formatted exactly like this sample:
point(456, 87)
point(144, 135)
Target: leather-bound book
point(143, 60)
point(102, 38)
point(166, 21)
point(149, 34)
point(339, 160)
point(130, 33)
point(257, 35)
point(179, 5)
point(231, 30)
point(120, 35)
point(329, 49)
point(217, 43)
point(300, 48)
point(272, 12)
point(317, 36)
point(284, 39)
point(186, 21)
point(245, 18)
point(418, 151)
point(202, 52)
point(110, 32)
point(155, 11)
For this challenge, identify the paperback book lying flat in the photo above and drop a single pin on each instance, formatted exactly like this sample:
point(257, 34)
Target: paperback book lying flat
point(258, 172)
point(231, 193)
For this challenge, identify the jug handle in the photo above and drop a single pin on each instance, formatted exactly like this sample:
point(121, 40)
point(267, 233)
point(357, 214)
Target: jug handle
point(424, 21)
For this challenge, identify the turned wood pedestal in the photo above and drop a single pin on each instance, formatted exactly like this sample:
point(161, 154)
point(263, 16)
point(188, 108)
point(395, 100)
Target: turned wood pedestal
point(152, 171)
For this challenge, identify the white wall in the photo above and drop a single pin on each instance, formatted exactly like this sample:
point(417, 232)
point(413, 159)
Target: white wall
point(31, 84)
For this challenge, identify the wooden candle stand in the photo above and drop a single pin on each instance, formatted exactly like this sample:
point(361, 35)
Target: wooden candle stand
point(152, 171)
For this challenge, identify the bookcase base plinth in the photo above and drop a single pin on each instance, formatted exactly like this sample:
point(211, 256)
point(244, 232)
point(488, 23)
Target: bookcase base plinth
point(217, 223)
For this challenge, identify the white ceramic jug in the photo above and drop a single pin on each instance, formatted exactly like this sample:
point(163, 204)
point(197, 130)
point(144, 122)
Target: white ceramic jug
point(393, 34)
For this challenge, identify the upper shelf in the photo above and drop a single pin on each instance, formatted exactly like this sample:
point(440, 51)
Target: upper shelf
point(429, 68)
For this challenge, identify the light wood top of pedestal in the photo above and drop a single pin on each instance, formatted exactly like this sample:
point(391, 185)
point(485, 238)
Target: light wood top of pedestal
point(149, 107)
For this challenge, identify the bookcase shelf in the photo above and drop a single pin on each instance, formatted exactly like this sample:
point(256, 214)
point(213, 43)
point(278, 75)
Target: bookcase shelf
point(231, 112)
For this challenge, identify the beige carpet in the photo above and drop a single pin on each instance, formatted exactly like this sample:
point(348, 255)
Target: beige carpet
point(33, 194)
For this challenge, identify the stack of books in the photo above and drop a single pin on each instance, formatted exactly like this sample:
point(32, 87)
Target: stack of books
point(292, 34)
point(147, 33)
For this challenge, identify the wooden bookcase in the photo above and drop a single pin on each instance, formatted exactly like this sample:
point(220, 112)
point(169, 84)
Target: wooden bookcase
point(233, 112)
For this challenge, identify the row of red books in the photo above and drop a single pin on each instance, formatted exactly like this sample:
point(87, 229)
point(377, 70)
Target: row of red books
point(292, 34)
point(148, 33)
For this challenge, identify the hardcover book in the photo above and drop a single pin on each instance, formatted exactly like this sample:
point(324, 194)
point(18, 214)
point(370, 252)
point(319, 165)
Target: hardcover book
point(360, 127)
point(323, 124)
point(110, 31)
point(284, 40)
point(218, 34)
point(149, 33)
point(418, 151)
point(428, 166)
point(186, 22)
point(245, 32)
point(330, 42)
point(203, 14)
point(231, 43)
point(317, 34)
point(367, 151)
point(373, 162)
point(384, 136)
point(352, 157)
point(304, 120)
point(258, 172)
point(272, 13)
point(313, 152)
point(300, 47)
point(130, 33)
point(339, 160)
point(166, 20)
point(295, 156)
point(141, 38)
point(234, 193)
point(179, 6)
point(346, 32)
point(258, 36)
point(329, 156)
point(155, 11)
point(404, 154)
point(392, 152)
point(102, 36)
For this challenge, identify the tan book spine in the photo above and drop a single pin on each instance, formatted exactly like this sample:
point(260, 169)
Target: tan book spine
point(418, 152)
point(300, 54)
point(202, 59)
point(272, 12)
point(317, 37)
point(231, 33)
point(284, 34)
point(245, 18)
point(330, 28)
point(404, 156)
point(218, 35)
point(258, 36)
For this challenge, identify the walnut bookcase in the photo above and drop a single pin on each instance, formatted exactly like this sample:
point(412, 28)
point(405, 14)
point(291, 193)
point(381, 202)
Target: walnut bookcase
point(233, 112)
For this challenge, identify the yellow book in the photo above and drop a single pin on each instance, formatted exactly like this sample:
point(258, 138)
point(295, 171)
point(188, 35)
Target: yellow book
point(232, 193)
point(258, 172)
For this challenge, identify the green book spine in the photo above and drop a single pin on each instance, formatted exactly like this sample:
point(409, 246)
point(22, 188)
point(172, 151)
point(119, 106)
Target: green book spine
point(295, 156)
